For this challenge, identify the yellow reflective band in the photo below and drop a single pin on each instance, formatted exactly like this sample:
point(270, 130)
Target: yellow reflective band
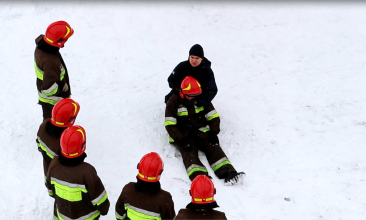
point(73, 154)
point(76, 107)
point(198, 84)
point(141, 175)
point(68, 31)
point(197, 200)
point(209, 199)
point(81, 133)
point(151, 178)
point(200, 200)
point(49, 40)
point(188, 88)
point(60, 123)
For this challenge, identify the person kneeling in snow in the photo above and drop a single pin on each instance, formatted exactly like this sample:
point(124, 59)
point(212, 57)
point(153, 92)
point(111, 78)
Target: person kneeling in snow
point(194, 128)
point(78, 191)
point(203, 202)
point(145, 199)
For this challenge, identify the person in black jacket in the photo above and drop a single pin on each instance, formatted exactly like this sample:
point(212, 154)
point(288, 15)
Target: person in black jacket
point(199, 67)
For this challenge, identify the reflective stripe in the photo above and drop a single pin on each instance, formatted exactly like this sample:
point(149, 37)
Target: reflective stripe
point(50, 192)
point(44, 147)
point(135, 213)
point(193, 168)
point(182, 111)
point(119, 216)
point(68, 191)
point(55, 218)
point(39, 72)
point(50, 91)
point(198, 110)
point(211, 115)
point(89, 216)
point(171, 140)
point(204, 129)
point(100, 199)
point(170, 121)
point(63, 71)
point(223, 161)
point(48, 99)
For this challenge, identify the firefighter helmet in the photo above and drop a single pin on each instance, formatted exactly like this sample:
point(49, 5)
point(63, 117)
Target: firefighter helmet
point(73, 141)
point(190, 87)
point(150, 167)
point(65, 112)
point(202, 190)
point(58, 33)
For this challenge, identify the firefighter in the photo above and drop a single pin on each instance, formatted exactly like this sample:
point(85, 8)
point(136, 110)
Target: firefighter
point(199, 67)
point(78, 191)
point(48, 136)
point(145, 199)
point(52, 77)
point(202, 204)
point(192, 128)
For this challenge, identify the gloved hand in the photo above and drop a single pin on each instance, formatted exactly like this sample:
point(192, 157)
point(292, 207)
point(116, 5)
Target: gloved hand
point(186, 144)
point(213, 140)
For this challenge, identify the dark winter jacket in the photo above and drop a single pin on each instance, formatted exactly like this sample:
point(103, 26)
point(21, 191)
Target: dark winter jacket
point(181, 118)
point(51, 74)
point(203, 73)
point(185, 214)
point(136, 204)
point(48, 141)
point(78, 191)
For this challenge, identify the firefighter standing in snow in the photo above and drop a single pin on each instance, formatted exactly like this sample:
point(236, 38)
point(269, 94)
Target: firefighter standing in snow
point(199, 67)
point(145, 199)
point(201, 207)
point(48, 136)
point(191, 128)
point(52, 76)
point(78, 191)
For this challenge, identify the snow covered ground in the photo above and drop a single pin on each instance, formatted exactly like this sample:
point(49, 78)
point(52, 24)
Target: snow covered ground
point(291, 79)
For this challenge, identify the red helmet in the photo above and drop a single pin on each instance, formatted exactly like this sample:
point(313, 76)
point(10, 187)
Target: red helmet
point(65, 112)
point(73, 141)
point(150, 167)
point(202, 190)
point(190, 87)
point(58, 33)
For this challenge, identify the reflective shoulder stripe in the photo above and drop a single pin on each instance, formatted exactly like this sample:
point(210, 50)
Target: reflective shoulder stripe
point(182, 111)
point(100, 199)
point(137, 213)
point(198, 110)
point(50, 91)
point(63, 71)
point(55, 218)
point(170, 121)
point(89, 216)
point(223, 161)
point(204, 129)
point(44, 147)
point(39, 73)
point(211, 115)
point(68, 191)
point(120, 216)
point(193, 168)
point(48, 99)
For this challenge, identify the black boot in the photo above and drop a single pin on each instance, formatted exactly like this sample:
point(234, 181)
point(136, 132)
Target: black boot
point(233, 178)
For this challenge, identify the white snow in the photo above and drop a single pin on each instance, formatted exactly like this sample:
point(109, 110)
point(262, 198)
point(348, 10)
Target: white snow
point(291, 79)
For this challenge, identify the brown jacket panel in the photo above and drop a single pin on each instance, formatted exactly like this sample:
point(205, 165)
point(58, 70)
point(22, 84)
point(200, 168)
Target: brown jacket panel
point(49, 145)
point(198, 120)
point(51, 65)
point(78, 191)
point(190, 214)
point(159, 204)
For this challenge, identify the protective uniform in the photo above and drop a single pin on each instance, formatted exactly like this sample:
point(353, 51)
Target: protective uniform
point(145, 199)
point(52, 77)
point(188, 124)
point(78, 191)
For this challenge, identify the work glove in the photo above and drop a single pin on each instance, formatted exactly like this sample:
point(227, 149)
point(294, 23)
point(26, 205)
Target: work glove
point(186, 144)
point(213, 140)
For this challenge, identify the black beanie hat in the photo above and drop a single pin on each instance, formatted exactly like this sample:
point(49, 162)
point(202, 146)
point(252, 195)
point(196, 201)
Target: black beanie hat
point(196, 50)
